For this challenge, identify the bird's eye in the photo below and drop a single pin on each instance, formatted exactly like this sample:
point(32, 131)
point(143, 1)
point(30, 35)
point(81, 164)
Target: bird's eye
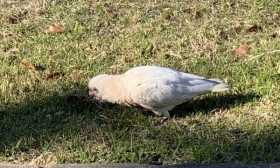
point(94, 90)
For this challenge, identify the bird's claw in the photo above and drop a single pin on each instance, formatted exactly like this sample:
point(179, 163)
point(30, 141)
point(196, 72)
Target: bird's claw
point(163, 120)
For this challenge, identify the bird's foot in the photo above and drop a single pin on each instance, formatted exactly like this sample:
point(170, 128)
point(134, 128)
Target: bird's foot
point(163, 120)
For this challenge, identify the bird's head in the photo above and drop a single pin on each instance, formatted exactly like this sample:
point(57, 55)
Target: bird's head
point(97, 86)
point(106, 88)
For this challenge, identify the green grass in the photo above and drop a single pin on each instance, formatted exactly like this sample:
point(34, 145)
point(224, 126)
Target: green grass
point(37, 117)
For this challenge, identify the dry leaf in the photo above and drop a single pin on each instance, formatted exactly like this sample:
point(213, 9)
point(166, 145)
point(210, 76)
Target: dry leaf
point(242, 50)
point(255, 28)
point(27, 65)
point(31, 66)
point(55, 28)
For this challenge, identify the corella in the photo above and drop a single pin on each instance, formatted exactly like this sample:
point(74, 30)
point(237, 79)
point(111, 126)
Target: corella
point(155, 88)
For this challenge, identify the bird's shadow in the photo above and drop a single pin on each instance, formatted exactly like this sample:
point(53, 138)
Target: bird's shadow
point(203, 104)
point(213, 102)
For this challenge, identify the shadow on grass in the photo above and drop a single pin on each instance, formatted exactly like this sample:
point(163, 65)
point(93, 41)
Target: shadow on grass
point(23, 126)
point(43, 124)
point(211, 103)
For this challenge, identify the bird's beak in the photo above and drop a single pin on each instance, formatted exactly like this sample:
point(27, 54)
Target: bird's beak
point(93, 96)
point(90, 94)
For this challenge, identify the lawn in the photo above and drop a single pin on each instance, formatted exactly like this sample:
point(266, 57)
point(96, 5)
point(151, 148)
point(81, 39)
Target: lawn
point(44, 75)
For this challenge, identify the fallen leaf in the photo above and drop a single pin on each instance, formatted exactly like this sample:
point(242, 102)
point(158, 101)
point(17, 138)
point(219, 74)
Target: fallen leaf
point(55, 28)
point(255, 28)
point(54, 75)
point(27, 65)
point(242, 50)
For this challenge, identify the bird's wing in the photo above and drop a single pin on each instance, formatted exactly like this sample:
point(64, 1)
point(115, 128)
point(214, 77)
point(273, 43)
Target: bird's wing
point(157, 86)
point(158, 94)
point(171, 93)
point(197, 84)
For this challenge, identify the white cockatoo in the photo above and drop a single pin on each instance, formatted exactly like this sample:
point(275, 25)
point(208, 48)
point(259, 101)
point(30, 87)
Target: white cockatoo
point(155, 88)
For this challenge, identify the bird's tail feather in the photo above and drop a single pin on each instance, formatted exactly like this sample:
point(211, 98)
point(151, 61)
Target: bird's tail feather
point(220, 86)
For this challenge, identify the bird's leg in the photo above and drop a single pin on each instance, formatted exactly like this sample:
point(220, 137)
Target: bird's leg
point(165, 114)
point(162, 112)
point(156, 112)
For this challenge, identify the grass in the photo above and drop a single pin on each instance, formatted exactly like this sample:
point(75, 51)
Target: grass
point(38, 118)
